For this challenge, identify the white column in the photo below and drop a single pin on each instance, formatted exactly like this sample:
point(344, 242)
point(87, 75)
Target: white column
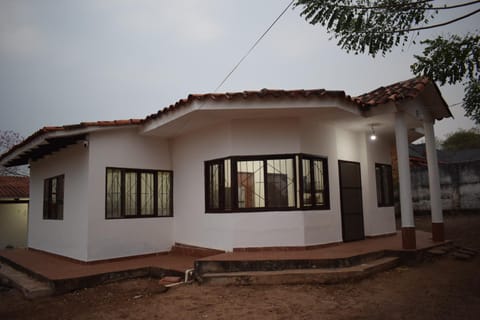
point(433, 173)
point(401, 139)
point(438, 230)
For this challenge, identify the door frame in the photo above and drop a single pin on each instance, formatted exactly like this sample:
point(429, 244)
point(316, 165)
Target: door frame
point(341, 196)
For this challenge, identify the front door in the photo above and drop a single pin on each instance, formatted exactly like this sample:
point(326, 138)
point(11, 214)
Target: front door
point(351, 200)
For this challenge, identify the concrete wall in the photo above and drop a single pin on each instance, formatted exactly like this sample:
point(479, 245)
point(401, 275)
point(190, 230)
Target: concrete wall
point(460, 186)
point(86, 234)
point(114, 238)
point(284, 228)
point(67, 237)
point(13, 224)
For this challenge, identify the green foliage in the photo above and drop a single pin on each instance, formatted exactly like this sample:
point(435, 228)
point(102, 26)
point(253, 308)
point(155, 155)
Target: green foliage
point(452, 60)
point(377, 26)
point(462, 139)
point(471, 101)
point(365, 26)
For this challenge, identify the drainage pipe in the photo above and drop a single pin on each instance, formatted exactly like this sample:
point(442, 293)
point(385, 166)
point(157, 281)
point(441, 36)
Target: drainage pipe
point(188, 274)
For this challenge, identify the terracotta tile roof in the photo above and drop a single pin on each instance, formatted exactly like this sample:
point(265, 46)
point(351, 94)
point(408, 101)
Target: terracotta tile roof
point(248, 95)
point(13, 187)
point(70, 127)
point(407, 89)
point(398, 91)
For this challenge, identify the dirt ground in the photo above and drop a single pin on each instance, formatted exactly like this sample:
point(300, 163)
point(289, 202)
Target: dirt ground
point(441, 289)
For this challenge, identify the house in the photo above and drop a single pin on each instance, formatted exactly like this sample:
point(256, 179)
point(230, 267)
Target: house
point(459, 179)
point(231, 171)
point(13, 211)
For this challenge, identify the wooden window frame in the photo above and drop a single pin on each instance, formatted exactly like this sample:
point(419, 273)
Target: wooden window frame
point(138, 214)
point(53, 211)
point(381, 201)
point(296, 163)
point(326, 189)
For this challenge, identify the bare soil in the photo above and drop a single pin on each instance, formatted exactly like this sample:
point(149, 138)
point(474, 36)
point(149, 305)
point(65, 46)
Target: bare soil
point(441, 289)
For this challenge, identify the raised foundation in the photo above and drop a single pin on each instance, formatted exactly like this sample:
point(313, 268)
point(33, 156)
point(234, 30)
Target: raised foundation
point(409, 240)
point(438, 232)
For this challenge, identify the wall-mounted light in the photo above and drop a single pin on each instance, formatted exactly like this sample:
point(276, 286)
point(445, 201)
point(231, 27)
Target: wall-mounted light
point(373, 136)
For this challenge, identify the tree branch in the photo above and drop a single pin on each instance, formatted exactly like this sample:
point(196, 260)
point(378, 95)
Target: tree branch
point(428, 27)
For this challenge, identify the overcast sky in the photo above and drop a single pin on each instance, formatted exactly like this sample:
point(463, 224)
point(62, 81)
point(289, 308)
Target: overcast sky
point(64, 62)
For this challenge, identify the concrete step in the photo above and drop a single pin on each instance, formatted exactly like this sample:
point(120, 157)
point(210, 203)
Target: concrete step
point(30, 287)
point(224, 264)
point(301, 276)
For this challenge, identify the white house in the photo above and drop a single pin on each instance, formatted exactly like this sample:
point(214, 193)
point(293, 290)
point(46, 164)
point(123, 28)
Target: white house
point(268, 168)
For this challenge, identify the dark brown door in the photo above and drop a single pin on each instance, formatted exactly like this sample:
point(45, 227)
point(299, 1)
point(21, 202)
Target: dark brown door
point(351, 200)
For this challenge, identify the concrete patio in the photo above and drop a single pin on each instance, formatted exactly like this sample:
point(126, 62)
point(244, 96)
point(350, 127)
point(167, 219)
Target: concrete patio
point(65, 274)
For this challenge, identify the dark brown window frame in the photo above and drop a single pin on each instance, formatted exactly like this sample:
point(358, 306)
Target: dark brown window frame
point(326, 189)
point(138, 173)
point(297, 167)
point(381, 190)
point(53, 211)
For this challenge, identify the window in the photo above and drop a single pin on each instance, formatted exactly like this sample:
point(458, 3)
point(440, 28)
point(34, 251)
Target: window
point(133, 193)
point(314, 183)
point(261, 183)
point(383, 175)
point(53, 198)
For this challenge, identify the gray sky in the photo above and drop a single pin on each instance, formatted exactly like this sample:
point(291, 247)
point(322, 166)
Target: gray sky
point(64, 62)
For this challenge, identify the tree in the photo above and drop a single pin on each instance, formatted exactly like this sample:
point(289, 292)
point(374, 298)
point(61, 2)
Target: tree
point(8, 139)
point(377, 26)
point(462, 139)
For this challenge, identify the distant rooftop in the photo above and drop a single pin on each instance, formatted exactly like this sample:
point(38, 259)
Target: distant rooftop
point(14, 187)
point(446, 156)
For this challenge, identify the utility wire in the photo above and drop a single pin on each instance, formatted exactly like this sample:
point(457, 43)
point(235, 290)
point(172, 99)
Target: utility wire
point(253, 47)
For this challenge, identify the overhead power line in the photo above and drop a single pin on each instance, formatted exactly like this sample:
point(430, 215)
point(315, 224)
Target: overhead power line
point(253, 46)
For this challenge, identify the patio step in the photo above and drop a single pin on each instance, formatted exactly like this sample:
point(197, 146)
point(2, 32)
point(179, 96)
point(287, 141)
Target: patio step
point(30, 287)
point(301, 276)
point(228, 264)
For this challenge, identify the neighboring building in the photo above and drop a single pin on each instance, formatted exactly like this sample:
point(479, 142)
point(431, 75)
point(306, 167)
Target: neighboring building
point(13, 211)
point(459, 179)
point(268, 168)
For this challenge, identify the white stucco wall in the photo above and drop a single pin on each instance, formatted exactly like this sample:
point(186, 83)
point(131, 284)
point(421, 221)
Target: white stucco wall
point(378, 220)
point(86, 234)
point(67, 237)
point(323, 226)
point(264, 137)
point(113, 238)
point(13, 224)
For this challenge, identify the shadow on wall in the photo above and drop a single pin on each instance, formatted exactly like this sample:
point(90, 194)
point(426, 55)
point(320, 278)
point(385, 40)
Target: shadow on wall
point(13, 224)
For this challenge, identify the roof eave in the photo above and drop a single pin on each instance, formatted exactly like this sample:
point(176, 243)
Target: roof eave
point(15, 153)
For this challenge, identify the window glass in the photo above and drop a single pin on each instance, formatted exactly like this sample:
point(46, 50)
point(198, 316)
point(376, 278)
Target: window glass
point(383, 179)
point(314, 183)
point(146, 193)
point(113, 194)
point(319, 184)
point(280, 183)
point(251, 187)
point(164, 194)
point(53, 198)
point(133, 193)
point(306, 183)
point(130, 193)
point(260, 183)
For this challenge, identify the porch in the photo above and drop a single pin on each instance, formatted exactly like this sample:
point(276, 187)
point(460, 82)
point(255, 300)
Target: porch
point(346, 260)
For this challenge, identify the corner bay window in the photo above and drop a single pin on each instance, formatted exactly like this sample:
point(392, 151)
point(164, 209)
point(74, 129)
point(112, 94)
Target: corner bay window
point(260, 183)
point(53, 198)
point(383, 176)
point(137, 193)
